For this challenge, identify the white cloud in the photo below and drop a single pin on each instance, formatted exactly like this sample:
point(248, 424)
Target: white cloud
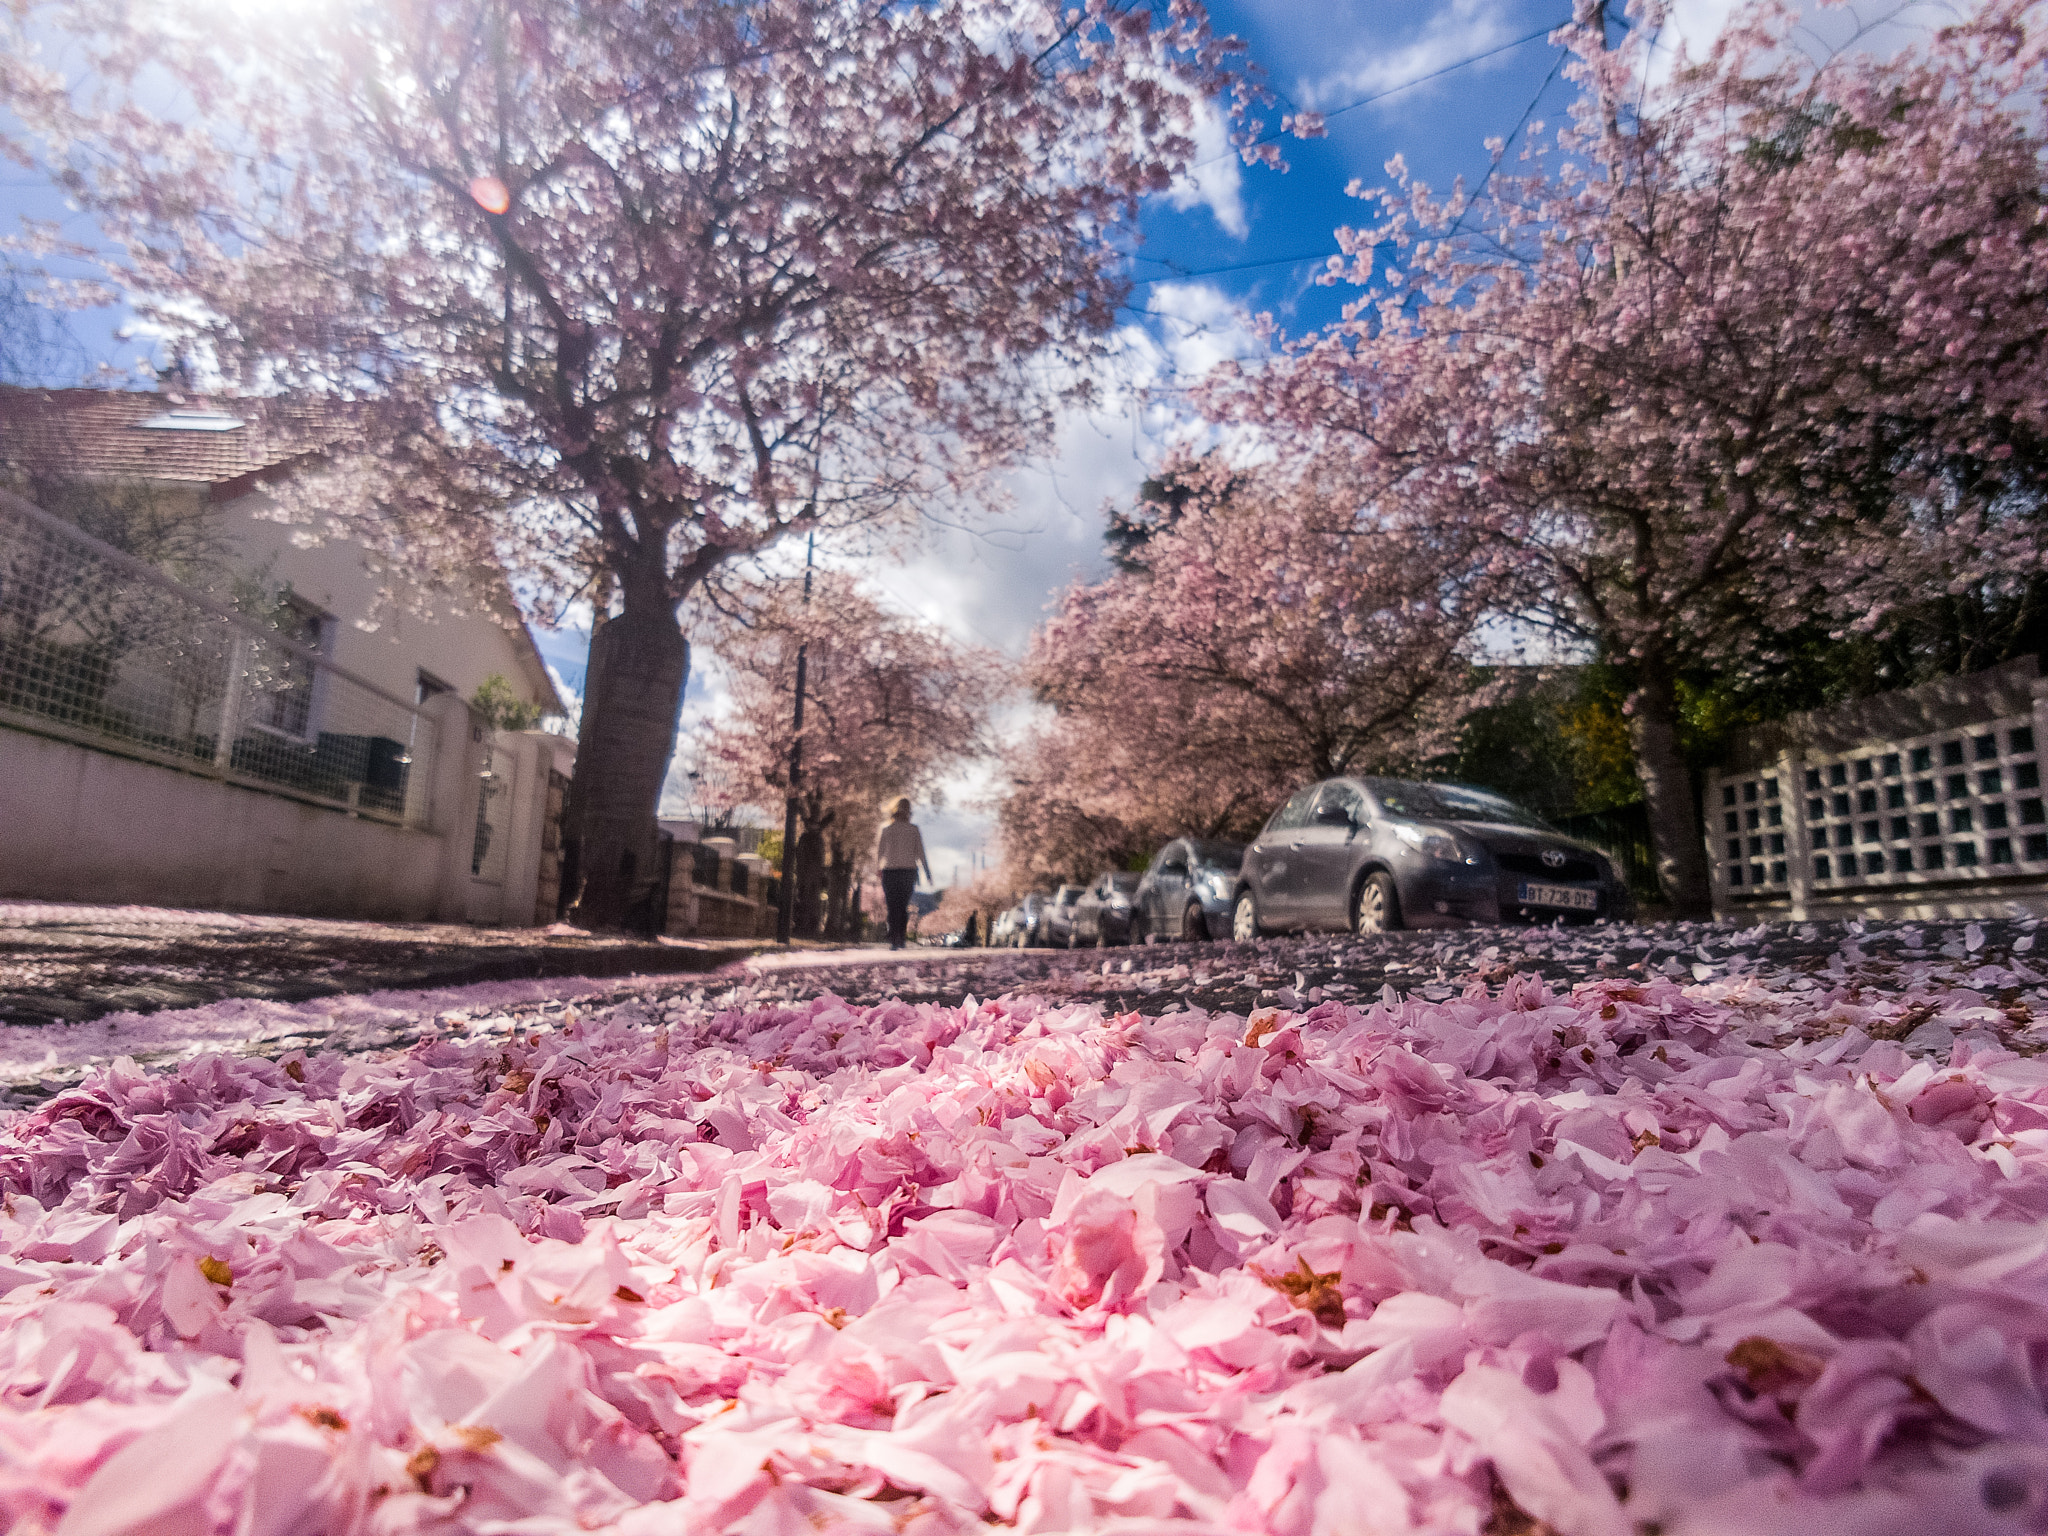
point(1214, 180)
point(1453, 32)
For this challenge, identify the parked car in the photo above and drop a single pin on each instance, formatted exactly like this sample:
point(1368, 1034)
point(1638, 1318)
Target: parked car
point(1186, 894)
point(1002, 929)
point(1056, 918)
point(1030, 914)
point(1377, 854)
point(1103, 914)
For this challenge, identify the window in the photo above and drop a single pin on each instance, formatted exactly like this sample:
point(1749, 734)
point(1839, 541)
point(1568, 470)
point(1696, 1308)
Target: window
point(1821, 870)
point(1774, 816)
point(1873, 863)
point(1816, 808)
point(1344, 798)
point(1959, 819)
point(1777, 842)
point(1930, 858)
point(1922, 759)
point(2001, 850)
point(1838, 773)
point(1727, 794)
point(2026, 775)
point(1902, 828)
point(1294, 813)
point(1923, 792)
point(1813, 778)
point(1840, 807)
point(1894, 796)
point(1752, 819)
point(1862, 770)
point(1866, 800)
point(2037, 845)
point(1987, 748)
point(1930, 824)
point(285, 680)
point(1889, 767)
point(1734, 821)
point(1749, 790)
point(2021, 740)
point(1958, 785)
point(1902, 861)
point(1990, 782)
point(1844, 835)
point(1951, 753)
point(1966, 853)
point(1994, 817)
point(1870, 832)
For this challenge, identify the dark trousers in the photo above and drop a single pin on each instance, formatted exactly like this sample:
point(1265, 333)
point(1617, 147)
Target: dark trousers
point(897, 884)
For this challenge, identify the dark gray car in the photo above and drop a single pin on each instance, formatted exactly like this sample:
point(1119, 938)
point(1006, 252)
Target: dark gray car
point(1056, 918)
point(1187, 891)
point(1377, 854)
point(1103, 915)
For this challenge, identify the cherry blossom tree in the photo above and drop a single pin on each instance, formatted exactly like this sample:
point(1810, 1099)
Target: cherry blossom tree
point(1759, 345)
point(892, 706)
point(617, 293)
point(1277, 629)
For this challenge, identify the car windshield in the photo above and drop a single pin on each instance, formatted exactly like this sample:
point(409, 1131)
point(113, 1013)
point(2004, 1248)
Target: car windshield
point(1226, 856)
point(1452, 802)
point(1125, 880)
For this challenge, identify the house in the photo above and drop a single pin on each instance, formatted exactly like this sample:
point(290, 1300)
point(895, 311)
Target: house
point(200, 707)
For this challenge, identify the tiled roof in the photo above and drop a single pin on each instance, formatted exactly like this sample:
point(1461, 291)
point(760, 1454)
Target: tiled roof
point(95, 432)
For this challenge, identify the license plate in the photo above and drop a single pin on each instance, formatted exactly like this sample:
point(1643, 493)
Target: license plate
point(1571, 896)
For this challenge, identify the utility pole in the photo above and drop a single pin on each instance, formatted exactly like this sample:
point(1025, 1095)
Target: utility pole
point(785, 915)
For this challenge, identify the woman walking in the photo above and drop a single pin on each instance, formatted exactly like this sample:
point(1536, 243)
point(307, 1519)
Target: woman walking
point(899, 851)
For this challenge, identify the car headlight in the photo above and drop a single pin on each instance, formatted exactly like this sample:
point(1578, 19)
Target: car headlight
point(1434, 841)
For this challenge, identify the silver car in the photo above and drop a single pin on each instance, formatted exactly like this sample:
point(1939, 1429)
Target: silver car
point(1186, 894)
point(1377, 854)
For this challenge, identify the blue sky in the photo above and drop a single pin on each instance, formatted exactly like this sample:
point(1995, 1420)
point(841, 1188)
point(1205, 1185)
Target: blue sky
point(1236, 241)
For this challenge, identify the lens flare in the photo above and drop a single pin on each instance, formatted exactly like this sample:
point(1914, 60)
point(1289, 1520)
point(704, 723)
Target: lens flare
point(491, 194)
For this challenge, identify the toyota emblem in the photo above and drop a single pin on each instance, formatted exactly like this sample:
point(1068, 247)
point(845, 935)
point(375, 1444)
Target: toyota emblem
point(1553, 858)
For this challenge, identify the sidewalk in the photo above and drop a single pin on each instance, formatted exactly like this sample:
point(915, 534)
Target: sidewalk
point(66, 963)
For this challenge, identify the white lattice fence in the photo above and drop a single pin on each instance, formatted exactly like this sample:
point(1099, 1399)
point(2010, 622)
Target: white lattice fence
point(1946, 814)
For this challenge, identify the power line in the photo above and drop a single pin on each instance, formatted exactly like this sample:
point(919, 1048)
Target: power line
point(1395, 90)
point(1180, 273)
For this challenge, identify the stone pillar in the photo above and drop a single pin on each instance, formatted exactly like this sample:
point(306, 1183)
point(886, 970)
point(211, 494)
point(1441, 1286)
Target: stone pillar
point(1798, 838)
point(459, 737)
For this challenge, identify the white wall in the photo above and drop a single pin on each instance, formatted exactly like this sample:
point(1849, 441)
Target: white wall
point(461, 649)
point(80, 824)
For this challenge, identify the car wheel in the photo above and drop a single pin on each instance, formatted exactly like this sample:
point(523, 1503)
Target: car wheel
point(1194, 927)
point(1377, 907)
point(1244, 918)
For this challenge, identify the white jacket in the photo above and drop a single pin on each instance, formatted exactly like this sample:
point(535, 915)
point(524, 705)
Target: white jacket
point(901, 846)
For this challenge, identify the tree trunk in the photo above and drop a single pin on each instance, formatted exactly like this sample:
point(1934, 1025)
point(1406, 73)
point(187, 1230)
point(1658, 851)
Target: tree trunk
point(838, 888)
point(810, 881)
point(632, 691)
point(1668, 794)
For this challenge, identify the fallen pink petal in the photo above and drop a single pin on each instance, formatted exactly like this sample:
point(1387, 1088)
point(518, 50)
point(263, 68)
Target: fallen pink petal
point(1613, 1256)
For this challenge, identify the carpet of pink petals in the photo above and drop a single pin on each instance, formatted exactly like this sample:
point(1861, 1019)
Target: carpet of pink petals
point(1630, 1260)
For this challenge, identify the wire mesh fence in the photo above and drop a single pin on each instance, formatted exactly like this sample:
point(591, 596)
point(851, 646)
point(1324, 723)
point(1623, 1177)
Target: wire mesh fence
point(102, 648)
